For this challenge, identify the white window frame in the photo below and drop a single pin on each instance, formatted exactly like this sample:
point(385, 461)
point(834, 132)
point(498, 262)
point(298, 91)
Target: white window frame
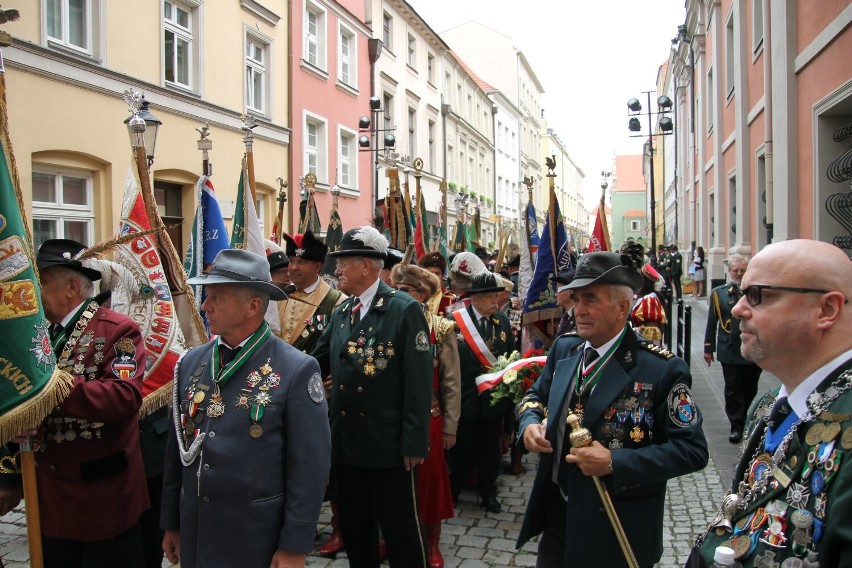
point(318, 39)
point(316, 149)
point(61, 212)
point(757, 26)
point(730, 49)
point(185, 34)
point(412, 131)
point(411, 51)
point(347, 64)
point(710, 98)
point(91, 11)
point(430, 67)
point(255, 67)
point(347, 143)
point(387, 31)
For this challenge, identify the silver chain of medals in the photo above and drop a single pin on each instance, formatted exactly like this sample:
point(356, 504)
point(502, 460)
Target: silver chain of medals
point(817, 403)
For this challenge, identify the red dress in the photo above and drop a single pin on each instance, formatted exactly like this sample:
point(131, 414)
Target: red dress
point(434, 497)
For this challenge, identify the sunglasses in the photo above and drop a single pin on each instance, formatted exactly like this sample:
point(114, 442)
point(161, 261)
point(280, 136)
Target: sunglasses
point(754, 293)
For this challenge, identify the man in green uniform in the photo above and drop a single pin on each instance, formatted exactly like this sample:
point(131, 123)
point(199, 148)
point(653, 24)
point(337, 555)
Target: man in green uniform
point(485, 334)
point(789, 499)
point(723, 336)
point(675, 270)
point(377, 351)
point(634, 399)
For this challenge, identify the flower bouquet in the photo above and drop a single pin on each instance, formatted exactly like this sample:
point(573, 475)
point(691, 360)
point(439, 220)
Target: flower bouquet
point(511, 377)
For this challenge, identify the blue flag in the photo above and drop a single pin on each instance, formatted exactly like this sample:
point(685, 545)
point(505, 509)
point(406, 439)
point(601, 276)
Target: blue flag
point(553, 256)
point(209, 235)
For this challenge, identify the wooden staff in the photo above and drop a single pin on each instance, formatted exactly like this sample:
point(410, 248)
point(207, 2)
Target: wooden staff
point(282, 203)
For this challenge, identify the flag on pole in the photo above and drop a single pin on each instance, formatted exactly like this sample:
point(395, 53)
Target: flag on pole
point(32, 386)
point(460, 243)
point(247, 236)
point(421, 228)
point(472, 238)
point(442, 232)
point(529, 248)
point(308, 215)
point(158, 318)
point(600, 234)
point(553, 255)
point(209, 235)
point(333, 236)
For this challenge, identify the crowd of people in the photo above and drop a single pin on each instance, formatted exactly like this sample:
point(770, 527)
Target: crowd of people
point(368, 397)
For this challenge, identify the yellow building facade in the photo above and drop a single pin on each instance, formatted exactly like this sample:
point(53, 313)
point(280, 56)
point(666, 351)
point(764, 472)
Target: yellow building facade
point(195, 62)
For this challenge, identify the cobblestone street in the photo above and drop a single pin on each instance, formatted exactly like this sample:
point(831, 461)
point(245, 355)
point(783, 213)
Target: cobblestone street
point(475, 539)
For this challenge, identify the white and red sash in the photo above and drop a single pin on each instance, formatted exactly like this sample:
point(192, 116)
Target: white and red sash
point(474, 339)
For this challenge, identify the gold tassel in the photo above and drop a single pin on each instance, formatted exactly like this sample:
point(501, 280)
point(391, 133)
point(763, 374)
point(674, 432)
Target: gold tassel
point(156, 400)
point(31, 412)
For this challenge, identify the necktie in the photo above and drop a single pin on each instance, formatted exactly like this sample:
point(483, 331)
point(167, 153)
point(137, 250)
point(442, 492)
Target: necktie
point(226, 354)
point(54, 330)
point(356, 311)
point(590, 355)
point(483, 324)
point(779, 413)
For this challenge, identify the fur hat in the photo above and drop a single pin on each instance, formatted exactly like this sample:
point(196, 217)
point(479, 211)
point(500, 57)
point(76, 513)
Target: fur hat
point(433, 259)
point(415, 277)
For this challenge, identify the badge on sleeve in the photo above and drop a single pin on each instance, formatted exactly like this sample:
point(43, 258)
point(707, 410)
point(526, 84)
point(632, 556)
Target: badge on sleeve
point(682, 409)
point(315, 390)
point(124, 364)
point(421, 342)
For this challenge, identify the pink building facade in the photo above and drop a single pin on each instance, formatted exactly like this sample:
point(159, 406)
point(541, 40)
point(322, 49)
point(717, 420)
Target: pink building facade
point(761, 88)
point(330, 90)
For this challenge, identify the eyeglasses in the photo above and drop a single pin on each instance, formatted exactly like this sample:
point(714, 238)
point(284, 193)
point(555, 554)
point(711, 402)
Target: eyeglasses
point(754, 293)
point(342, 265)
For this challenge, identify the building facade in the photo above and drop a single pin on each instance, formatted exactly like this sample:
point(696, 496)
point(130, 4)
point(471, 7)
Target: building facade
point(495, 58)
point(763, 96)
point(629, 194)
point(65, 74)
point(330, 69)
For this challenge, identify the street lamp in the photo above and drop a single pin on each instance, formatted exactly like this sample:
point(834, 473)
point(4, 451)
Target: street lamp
point(666, 127)
point(368, 128)
point(152, 126)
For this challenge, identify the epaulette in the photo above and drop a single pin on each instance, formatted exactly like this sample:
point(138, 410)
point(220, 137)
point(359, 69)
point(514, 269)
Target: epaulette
point(656, 349)
point(442, 327)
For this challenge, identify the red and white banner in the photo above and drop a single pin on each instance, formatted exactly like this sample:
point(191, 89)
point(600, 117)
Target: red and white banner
point(157, 317)
point(490, 380)
point(474, 340)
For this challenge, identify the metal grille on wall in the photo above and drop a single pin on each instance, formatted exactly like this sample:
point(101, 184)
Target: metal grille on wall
point(839, 205)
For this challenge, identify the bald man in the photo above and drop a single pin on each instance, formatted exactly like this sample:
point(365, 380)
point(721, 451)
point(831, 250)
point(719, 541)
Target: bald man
point(791, 494)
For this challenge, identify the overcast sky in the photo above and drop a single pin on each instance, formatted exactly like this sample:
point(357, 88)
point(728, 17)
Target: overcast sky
point(590, 56)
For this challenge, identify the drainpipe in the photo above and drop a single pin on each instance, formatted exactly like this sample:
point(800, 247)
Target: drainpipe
point(767, 118)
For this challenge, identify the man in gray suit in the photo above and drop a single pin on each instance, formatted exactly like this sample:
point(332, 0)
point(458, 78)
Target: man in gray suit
point(248, 461)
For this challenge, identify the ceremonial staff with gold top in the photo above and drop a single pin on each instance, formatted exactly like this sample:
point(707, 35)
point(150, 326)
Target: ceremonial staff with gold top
point(580, 438)
point(278, 230)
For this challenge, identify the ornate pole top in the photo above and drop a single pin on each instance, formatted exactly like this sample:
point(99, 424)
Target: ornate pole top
point(551, 166)
point(136, 125)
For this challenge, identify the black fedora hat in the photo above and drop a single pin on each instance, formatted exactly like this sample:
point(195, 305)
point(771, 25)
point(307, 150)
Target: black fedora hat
point(241, 268)
point(364, 241)
point(486, 282)
point(306, 247)
point(606, 268)
point(393, 258)
point(61, 252)
point(277, 260)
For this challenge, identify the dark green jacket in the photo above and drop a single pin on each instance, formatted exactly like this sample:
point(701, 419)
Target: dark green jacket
point(381, 374)
point(676, 265)
point(835, 546)
point(500, 342)
point(664, 441)
point(726, 341)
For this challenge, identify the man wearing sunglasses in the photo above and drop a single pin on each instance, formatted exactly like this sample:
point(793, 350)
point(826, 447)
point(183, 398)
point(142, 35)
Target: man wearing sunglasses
point(722, 336)
point(791, 489)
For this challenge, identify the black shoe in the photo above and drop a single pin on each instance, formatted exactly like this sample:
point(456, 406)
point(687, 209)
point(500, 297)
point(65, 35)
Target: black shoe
point(491, 504)
point(735, 437)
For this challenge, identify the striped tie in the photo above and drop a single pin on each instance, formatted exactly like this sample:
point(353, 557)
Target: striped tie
point(356, 312)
